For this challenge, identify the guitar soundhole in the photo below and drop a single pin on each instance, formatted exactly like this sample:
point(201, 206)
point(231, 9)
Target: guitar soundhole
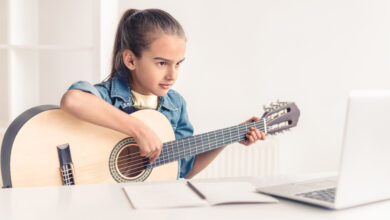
point(130, 163)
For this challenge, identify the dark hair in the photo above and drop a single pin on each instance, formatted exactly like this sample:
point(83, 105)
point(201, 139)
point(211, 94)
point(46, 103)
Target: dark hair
point(136, 30)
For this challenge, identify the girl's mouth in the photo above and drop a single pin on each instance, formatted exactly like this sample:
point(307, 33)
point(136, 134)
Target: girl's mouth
point(165, 86)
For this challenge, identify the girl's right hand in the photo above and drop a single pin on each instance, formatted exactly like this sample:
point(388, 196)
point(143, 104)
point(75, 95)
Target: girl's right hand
point(83, 105)
point(149, 143)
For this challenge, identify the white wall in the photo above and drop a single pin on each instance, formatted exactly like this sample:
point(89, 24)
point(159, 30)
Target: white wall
point(44, 47)
point(243, 54)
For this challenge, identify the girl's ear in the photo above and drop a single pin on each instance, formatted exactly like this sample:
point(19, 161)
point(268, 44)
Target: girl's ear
point(129, 59)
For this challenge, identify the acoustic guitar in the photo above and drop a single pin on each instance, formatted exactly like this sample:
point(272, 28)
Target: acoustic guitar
point(47, 146)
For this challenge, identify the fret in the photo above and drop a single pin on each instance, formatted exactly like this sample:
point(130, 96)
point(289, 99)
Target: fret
point(238, 131)
point(178, 149)
point(201, 141)
point(182, 152)
point(236, 137)
point(195, 142)
point(216, 138)
point(171, 150)
point(188, 144)
point(189, 149)
point(226, 139)
point(208, 140)
point(230, 136)
point(215, 143)
point(238, 134)
point(223, 139)
point(168, 154)
point(184, 148)
point(175, 149)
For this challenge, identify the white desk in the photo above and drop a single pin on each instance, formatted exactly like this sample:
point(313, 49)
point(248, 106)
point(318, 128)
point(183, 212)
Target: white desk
point(110, 202)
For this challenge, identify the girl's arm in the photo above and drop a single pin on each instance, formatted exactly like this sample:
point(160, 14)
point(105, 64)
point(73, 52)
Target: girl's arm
point(204, 159)
point(90, 108)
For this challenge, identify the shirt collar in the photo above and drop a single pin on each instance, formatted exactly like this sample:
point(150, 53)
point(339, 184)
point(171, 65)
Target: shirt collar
point(120, 88)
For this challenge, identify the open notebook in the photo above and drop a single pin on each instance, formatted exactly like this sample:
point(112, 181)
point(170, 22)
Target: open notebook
point(182, 193)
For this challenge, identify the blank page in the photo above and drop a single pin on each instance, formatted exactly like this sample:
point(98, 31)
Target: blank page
point(170, 194)
point(233, 192)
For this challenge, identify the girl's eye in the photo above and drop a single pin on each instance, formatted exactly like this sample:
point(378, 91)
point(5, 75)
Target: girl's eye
point(161, 63)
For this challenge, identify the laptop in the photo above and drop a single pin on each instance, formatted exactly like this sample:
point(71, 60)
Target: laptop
point(364, 169)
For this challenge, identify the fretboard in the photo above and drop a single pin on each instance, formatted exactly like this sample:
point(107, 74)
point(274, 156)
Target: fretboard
point(190, 146)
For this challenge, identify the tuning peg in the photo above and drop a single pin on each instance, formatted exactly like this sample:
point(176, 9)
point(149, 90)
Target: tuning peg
point(266, 109)
point(283, 103)
point(275, 106)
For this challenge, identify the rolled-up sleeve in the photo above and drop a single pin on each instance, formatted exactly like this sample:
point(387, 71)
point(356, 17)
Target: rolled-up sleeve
point(97, 90)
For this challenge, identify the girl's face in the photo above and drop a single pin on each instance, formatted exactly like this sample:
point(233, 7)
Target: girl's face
point(157, 68)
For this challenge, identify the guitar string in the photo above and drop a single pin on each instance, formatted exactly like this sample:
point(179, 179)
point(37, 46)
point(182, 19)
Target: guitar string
point(169, 150)
point(145, 163)
point(172, 142)
point(185, 150)
point(220, 134)
point(217, 138)
point(126, 159)
point(162, 160)
point(139, 168)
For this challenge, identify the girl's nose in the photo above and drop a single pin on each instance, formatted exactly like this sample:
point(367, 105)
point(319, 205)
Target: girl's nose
point(171, 74)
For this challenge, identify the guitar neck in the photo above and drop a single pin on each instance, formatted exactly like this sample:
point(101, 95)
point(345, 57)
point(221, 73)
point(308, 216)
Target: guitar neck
point(190, 146)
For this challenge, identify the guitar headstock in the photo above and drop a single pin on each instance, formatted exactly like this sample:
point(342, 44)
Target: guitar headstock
point(280, 116)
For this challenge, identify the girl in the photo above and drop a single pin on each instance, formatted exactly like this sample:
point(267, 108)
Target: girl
point(148, 50)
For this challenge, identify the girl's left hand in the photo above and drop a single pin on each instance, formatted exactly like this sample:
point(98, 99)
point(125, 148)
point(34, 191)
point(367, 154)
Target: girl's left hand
point(253, 134)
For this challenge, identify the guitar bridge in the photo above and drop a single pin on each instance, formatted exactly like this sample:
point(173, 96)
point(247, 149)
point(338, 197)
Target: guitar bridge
point(66, 165)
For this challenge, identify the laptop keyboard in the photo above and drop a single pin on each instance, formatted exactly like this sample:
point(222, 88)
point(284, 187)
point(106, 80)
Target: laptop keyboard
point(326, 195)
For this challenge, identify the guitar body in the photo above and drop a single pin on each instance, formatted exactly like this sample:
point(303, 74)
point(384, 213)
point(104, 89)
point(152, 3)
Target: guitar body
point(46, 146)
point(30, 157)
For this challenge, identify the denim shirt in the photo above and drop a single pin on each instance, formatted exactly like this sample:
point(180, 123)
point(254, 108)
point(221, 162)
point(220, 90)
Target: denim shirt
point(172, 105)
